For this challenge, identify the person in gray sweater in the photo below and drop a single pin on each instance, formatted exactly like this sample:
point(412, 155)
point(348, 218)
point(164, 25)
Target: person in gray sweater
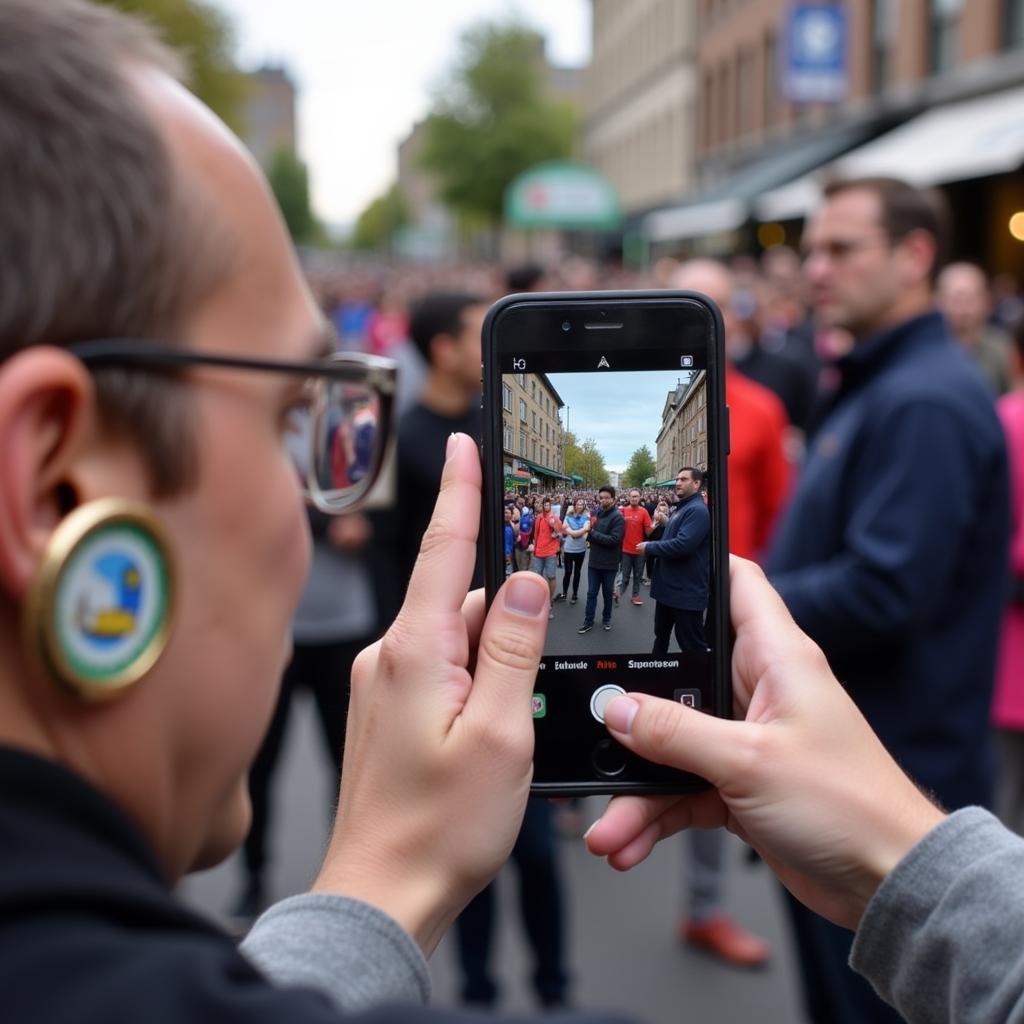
point(935, 900)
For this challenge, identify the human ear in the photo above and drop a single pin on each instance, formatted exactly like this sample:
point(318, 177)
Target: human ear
point(47, 404)
point(919, 252)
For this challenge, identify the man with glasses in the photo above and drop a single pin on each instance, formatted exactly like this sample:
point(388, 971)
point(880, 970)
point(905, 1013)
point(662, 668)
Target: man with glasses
point(892, 553)
point(166, 394)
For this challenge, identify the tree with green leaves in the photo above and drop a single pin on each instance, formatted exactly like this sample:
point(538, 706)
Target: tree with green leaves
point(289, 181)
point(641, 467)
point(376, 226)
point(492, 121)
point(204, 37)
point(584, 460)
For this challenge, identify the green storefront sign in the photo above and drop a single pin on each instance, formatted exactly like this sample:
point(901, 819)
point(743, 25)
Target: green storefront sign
point(562, 194)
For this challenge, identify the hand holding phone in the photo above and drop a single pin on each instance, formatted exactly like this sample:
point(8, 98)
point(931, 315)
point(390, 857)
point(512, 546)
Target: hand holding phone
point(579, 390)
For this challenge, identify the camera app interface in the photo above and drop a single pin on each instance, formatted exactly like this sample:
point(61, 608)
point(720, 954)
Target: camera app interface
point(609, 498)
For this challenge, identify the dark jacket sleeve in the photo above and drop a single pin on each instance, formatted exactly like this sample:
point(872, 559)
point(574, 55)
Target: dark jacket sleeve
point(613, 537)
point(696, 521)
point(913, 495)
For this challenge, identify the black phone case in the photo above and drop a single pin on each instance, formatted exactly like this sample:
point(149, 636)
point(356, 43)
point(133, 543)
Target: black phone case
point(493, 496)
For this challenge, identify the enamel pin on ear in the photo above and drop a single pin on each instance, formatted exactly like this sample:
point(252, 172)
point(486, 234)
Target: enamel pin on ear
point(99, 612)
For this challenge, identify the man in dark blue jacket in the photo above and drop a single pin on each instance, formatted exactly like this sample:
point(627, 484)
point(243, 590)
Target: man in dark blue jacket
point(680, 587)
point(892, 555)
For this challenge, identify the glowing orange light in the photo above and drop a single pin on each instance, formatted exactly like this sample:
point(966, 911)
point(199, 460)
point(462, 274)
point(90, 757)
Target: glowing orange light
point(771, 235)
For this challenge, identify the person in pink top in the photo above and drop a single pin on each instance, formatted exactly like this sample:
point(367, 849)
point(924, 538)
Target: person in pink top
point(547, 529)
point(1008, 699)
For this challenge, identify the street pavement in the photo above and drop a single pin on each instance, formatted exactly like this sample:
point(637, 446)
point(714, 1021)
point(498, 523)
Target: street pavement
point(623, 952)
point(632, 629)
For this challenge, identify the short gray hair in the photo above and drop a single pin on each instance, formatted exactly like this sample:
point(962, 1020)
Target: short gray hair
point(99, 238)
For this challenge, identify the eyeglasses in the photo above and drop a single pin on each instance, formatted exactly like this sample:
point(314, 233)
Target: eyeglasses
point(838, 249)
point(338, 430)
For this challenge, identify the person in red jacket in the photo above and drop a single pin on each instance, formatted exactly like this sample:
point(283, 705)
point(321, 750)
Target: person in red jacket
point(758, 477)
point(547, 530)
point(638, 529)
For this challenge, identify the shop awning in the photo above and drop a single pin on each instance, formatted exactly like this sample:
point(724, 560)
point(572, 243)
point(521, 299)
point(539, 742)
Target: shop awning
point(727, 205)
point(695, 219)
point(970, 139)
point(543, 470)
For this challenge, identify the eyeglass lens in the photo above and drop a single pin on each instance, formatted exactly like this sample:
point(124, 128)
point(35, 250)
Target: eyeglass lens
point(347, 436)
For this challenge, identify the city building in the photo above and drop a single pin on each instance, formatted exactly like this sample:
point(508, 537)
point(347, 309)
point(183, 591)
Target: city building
point(790, 93)
point(269, 115)
point(640, 100)
point(532, 432)
point(683, 438)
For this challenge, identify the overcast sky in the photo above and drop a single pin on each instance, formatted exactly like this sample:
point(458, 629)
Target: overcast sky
point(365, 73)
point(620, 411)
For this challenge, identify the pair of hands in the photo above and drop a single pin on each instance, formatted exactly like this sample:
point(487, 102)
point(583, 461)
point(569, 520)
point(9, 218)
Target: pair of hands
point(438, 757)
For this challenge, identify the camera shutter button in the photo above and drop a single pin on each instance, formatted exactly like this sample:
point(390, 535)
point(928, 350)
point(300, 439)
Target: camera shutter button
point(601, 697)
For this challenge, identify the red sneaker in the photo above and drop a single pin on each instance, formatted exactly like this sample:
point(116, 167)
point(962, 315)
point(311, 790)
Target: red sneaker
point(723, 938)
point(636, 600)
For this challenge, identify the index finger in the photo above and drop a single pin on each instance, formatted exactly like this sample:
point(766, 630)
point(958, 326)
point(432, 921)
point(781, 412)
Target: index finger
point(444, 568)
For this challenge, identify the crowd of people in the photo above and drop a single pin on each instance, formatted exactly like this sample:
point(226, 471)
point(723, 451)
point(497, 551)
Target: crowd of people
point(156, 334)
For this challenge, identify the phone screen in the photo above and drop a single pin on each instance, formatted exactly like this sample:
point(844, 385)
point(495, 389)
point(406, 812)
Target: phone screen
point(610, 436)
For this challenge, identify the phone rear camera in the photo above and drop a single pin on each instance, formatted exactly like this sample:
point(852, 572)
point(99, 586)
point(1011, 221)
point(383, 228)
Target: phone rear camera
point(566, 326)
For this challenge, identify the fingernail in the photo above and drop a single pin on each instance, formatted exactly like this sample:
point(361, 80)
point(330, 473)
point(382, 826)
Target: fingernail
point(619, 714)
point(589, 830)
point(453, 443)
point(524, 597)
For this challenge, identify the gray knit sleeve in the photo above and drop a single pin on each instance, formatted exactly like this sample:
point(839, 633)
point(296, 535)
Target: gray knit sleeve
point(351, 951)
point(943, 937)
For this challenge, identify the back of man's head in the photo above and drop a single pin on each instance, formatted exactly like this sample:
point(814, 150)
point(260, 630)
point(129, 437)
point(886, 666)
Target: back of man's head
point(439, 313)
point(524, 278)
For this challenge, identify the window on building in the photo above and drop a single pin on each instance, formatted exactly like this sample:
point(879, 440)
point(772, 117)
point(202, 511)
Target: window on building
point(943, 34)
point(770, 84)
point(507, 441)
point(506, 398)
point(707, 117)
point(534, 450)
point(534, 421)
point(522, 409)
point(533, 390)
point(1013, 24)
point(883, 39)
point(521, 377)
point(744, 93)
point(522, 443)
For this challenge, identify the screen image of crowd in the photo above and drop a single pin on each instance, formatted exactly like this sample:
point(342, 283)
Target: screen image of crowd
point(599, 543)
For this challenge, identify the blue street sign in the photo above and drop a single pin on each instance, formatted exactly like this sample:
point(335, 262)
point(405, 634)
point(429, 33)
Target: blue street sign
point(813, 66)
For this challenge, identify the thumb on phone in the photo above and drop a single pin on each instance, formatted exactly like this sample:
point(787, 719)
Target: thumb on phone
point(671, 734)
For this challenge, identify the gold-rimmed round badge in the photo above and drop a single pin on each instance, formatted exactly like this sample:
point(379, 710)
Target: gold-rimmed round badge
point(99, 611)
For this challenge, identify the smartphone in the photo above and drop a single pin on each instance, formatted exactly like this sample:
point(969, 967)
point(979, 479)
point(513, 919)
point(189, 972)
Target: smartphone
point(610, 406)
